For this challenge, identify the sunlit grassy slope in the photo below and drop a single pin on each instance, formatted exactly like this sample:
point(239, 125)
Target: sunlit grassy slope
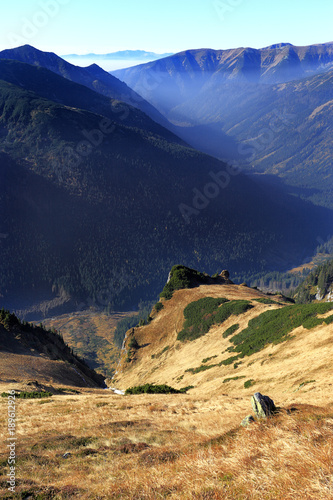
point(169, 446)
point(98, 445)
point(302, 353)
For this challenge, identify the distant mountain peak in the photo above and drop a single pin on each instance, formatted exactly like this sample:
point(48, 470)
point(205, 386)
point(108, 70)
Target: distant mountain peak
point(279, 46)
point(121, 54)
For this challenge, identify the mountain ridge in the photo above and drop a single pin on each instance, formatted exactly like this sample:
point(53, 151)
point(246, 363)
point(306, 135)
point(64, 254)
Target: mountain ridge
point(78, 192)
point(230, 109)
point(164, 352)
point(92, 77)
point(120, 54)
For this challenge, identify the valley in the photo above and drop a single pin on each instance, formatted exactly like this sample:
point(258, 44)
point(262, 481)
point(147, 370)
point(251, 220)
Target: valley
point(166, 253)
point(269, 109)
point(90, 334)
point(81, 172)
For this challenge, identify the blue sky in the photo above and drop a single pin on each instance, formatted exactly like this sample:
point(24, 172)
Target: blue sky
point(101, 26)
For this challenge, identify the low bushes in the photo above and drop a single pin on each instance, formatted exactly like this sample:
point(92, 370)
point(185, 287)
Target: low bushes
point(230, 331)
point(155, 389)
point(203, 313)
point(30, 395)
point(273, 327)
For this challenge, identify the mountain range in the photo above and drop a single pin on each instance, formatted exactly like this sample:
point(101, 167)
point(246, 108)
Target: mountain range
point(115, 60)
point(92, 77)
point(99, 200)
point(121, 54)
point(268, 109)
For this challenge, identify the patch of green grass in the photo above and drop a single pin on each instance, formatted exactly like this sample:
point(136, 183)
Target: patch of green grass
point(230, 330)
point(203, 313)
point(226, 478)
point(232, 378)
point(273, 327)
point(249, 383)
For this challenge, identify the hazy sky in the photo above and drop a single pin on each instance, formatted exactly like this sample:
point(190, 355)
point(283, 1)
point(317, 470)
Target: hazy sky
point(101, 26)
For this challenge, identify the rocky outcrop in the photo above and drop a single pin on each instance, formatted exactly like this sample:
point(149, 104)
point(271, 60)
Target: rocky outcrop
point(224, 277)
point(263, 406)
point(247, 420)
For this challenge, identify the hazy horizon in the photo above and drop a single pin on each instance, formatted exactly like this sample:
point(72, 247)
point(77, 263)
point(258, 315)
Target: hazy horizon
point(163, 27)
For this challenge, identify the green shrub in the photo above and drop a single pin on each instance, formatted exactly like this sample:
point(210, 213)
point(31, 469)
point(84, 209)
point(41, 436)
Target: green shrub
point(152, 389)
point(249, 383)
point(199, 316)
point(187, 388)
point(208, 359)
point(230, 331)
point(232, 378)
point(30, 395)
point(158, 306)
point(133, 343)
point(64, 389)
point(274, 326)
point(182, 277)
point(203, 313)
point(228, 361)
point(201, 368)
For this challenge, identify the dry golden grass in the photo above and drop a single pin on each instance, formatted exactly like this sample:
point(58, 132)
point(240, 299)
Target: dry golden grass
point(186, 446)
point(167, 446)
point(318, 259)
point(278, 369)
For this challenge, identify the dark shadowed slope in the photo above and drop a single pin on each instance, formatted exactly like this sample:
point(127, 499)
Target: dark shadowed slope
point(105, 221)
point(229, 104)
point(92, 77)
